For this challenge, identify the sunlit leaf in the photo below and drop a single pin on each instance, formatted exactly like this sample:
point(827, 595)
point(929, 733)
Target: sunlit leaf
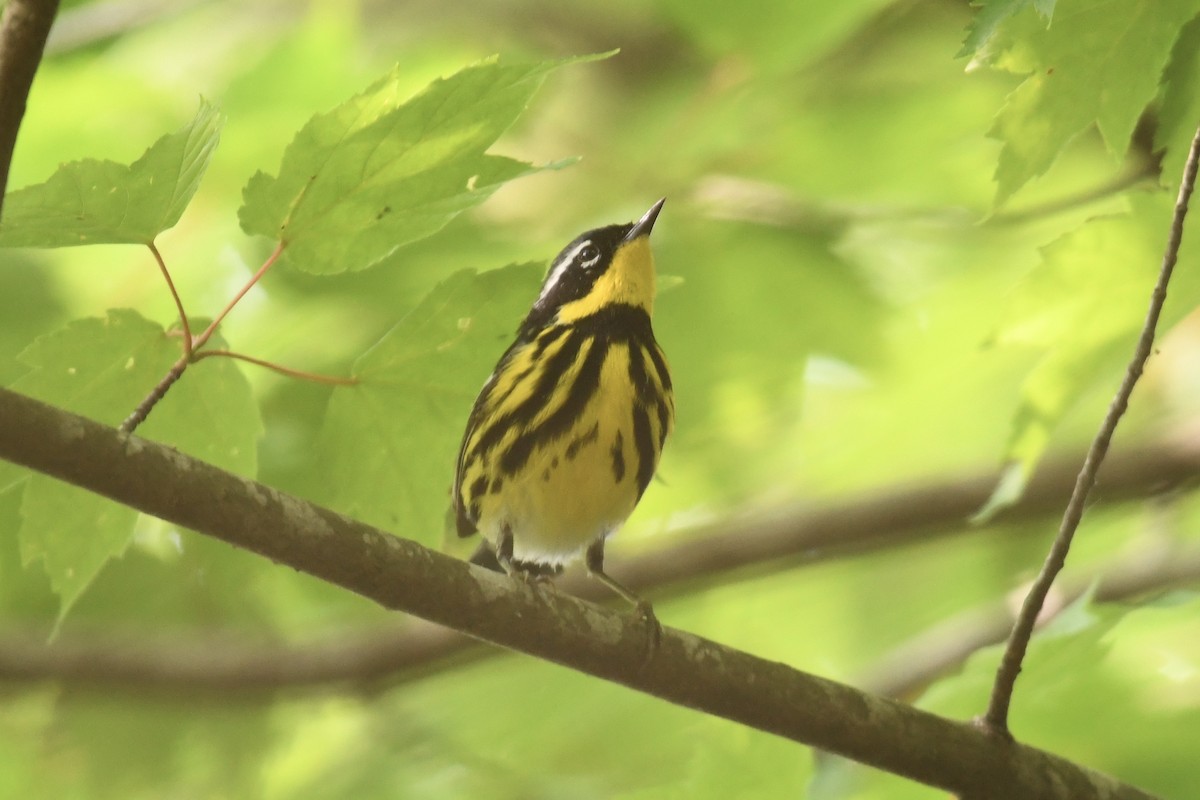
point(103, 202)
point(1099, 63)
point(389, 442)
point(1180, 111)
point(378, 172)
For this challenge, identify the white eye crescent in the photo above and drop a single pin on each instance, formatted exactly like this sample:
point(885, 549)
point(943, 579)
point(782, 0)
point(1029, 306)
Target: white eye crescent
point(589, 254)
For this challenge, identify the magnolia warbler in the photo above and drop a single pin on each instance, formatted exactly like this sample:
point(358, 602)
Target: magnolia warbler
point(567, 432)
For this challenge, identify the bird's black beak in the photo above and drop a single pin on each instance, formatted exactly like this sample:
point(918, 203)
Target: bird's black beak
point(644, 225)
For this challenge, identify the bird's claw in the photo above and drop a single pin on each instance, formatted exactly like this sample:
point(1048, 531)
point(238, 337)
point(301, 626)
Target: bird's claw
point(646, 613)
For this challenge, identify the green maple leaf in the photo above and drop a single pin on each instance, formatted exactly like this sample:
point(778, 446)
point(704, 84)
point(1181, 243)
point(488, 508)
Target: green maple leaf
point(103, 202)
point(389, 442)
point(376, 173)
point(102, 368)
point(991, 14)
point(1098, 64)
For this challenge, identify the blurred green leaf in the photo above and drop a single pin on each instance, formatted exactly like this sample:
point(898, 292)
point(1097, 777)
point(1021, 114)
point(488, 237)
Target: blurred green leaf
point(98, 367)
point(1115, 652)
point(1083, 306)
point(739, 390)
point(73, 534)
point(1099, 63)
point(102, 202)
point(773, 35)
point(991, 13)
point(119, 745)
point(1056, 382)
point(25, 718)
point(734, 762)
point(1180, 110)
point(31, 303)
point(102, 368)
point(210, 413)
point(376, 173)
point(389, 442)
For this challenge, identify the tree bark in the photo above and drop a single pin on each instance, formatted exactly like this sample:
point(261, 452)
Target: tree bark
point(399, 574)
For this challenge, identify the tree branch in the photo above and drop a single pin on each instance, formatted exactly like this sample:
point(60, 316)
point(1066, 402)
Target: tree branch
point(399, 574)
point(996, 716)
point(732, 550)
point(23, 32)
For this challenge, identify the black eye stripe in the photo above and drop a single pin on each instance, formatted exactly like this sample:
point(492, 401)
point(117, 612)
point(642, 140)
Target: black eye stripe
point(574, 272)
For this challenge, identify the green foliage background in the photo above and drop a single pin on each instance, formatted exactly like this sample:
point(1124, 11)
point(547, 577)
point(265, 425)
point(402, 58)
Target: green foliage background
point(882, 262)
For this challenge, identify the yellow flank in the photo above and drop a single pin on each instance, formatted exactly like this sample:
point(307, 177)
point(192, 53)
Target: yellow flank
point(516, 383)
point(629, 280)
point(567, 495)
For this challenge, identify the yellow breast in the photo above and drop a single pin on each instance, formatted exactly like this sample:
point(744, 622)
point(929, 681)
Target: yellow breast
point(583, 484)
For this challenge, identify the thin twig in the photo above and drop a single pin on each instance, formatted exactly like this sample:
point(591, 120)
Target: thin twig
point(191, 346)
point(996, 717)
point(156, 394)
point(312, 377)
point(401, 575)
point(183, 319)
point(23, 31)
point(203, 338)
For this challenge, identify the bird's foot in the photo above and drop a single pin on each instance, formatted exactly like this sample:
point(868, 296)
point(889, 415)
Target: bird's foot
point(645, 612)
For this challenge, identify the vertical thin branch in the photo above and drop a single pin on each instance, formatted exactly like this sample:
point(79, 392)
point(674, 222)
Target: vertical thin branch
point(23, 32)
point(183, 320)
point(996, 718)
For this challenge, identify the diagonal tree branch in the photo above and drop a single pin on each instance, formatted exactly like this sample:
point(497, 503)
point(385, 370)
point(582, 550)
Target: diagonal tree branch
point(996, 716)
point(233, 668)
point(23, 31)
point(399, 574)
point(732, 550)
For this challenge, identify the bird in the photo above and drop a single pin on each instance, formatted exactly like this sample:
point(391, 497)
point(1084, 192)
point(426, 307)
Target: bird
point(567, 432)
